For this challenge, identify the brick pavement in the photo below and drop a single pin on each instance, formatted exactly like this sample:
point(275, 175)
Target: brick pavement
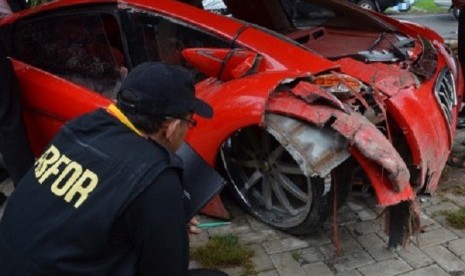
point(438, 250)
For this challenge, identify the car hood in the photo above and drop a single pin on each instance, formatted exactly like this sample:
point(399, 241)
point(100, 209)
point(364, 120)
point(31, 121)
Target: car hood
point(331, 29)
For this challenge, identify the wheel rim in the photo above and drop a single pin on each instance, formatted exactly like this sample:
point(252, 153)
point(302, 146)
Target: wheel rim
point(266, 178)
point(366, 6)
point(456, 12)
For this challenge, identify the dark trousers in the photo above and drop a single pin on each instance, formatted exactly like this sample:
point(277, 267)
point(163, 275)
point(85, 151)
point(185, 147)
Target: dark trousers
point(14, 144)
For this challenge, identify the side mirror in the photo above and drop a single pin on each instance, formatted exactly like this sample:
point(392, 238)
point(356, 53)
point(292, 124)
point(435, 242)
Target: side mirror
point(220, 63)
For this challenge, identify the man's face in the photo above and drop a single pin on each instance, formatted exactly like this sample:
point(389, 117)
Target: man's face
point(179, 127)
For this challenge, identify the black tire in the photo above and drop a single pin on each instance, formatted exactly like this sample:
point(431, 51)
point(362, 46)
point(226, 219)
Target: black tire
point(368, 4)
point(269, 184)
point(456, 12)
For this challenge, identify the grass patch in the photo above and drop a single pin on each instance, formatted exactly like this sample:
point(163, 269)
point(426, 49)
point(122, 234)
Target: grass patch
point(296, 256)
point(426, 6)
point(224, 251)
point(456, 218)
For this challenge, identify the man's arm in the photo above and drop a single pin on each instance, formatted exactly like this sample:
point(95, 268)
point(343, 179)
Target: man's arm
point(157, 227)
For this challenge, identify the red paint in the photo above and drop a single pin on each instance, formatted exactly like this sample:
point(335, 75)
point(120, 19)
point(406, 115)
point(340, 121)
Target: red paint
point(223, 64)
point(379, 159)
point(241, 95)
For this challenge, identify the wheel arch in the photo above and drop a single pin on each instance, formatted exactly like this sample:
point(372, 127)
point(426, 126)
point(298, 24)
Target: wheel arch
point(235, 106)
point(380, 161)
point(315, 153)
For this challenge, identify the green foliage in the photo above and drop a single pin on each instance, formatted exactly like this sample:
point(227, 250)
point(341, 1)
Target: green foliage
point(426, 6)
point(456, 218)
point(224, 251)
point(34, 3)
point(297, 256)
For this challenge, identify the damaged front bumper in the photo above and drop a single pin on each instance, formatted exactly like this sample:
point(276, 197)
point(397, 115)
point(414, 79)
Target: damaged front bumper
point(381, 162)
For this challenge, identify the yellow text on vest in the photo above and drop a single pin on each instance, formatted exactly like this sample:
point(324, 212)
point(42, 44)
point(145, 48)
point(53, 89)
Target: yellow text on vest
point(70, 180)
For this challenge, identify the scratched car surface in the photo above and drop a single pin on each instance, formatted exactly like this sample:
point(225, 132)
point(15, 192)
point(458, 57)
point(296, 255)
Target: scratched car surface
point(305, 108)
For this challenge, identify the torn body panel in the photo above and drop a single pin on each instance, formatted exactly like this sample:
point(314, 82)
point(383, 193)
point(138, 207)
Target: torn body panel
point(366, 141)
point(351, 132)
point(425, 119)
point(374, 152)
point(317, 150)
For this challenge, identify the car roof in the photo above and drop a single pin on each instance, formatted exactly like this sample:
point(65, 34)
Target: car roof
point(58, 4)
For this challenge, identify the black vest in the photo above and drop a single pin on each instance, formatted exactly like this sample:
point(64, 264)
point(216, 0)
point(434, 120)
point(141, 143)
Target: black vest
point(59, 219)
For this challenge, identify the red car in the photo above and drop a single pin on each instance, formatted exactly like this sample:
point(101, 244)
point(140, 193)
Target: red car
point(304, 109)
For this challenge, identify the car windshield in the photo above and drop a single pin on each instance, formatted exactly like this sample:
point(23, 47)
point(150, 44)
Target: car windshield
point(286, 15)
point(305, 14)
point(331, 28)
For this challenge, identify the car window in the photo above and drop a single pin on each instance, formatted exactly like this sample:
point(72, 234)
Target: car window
point(288, 16)
point(83, 49)
point(165, 38)
point(305, 14)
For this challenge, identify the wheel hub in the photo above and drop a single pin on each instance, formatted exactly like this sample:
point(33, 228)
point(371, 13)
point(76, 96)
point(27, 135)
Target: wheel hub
point(265, 166)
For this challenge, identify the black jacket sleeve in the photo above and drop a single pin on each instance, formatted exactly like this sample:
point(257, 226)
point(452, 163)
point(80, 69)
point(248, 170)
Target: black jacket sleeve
point(157, 227)
point(14, 143)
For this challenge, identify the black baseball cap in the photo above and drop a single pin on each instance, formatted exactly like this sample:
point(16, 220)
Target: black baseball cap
point(160, 89)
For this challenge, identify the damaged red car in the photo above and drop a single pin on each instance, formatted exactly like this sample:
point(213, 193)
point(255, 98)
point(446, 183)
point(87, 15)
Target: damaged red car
point(305, 108)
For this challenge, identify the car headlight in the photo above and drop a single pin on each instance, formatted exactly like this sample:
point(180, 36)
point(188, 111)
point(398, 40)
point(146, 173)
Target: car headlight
point(339, 83)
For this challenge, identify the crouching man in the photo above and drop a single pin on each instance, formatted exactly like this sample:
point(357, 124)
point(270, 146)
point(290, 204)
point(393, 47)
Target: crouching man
point(107, 196)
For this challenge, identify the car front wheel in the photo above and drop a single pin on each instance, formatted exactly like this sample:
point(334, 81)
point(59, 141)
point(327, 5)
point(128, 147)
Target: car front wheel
point(367, 4)
point(268, 183)
point(456, 12)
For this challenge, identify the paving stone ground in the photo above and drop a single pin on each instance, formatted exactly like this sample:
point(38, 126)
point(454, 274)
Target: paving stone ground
point(438, 250)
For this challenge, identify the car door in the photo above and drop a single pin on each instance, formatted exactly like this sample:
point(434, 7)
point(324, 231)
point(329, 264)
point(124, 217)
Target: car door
point(67, 63)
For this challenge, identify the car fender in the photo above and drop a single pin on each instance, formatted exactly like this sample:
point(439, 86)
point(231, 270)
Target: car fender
point(428, 133)
point(239, 103)
point(380, 161)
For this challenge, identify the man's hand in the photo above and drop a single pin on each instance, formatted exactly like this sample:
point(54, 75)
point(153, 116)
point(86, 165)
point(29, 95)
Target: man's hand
point(458, 3)
point(192, 227)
